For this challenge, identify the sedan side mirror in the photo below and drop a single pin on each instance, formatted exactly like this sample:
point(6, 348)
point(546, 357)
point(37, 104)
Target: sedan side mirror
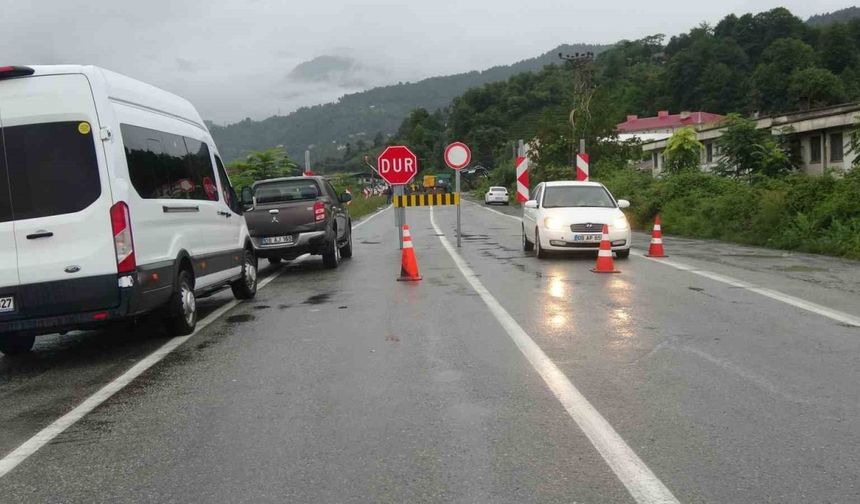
point(247, 197)
point(530, 204)
point(623, 203)
point(345, 197)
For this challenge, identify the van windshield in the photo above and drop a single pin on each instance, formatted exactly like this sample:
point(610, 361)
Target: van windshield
point(52, 168)
point(286, 191)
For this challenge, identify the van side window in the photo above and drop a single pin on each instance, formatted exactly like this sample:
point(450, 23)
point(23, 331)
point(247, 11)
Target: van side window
point(179, 184)
point(52, 168)
point(229, 193)
point(202, 173)
point(168, 166)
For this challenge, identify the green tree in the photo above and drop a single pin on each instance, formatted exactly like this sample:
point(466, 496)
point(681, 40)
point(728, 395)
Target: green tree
point(748, 150)
point(815, 87)
point(261, 165)
point(683, 151)
point(771, 77)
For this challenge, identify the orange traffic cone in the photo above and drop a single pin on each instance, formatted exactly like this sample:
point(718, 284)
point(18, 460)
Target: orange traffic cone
point(408, 263)
point(605, 264)
point(656, 248)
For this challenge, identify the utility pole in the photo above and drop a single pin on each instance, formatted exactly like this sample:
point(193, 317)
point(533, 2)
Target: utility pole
point(583, 92)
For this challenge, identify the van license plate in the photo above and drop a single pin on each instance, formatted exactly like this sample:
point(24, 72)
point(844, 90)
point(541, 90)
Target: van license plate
point(277, 240)
point(7, 304)
point(588, 238)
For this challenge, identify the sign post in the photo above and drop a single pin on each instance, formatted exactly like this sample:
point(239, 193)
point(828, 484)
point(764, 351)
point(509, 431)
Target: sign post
point(397, 165)
point(457, 157)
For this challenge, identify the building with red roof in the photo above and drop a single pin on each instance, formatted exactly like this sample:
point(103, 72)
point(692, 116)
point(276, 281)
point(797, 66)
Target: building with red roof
point(666, 123)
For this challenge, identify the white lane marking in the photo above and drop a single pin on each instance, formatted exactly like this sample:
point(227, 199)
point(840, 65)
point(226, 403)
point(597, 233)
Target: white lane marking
point(642, 484)
point(46, 435)
point(839, 316)
point(367, 219)
point(514, 217)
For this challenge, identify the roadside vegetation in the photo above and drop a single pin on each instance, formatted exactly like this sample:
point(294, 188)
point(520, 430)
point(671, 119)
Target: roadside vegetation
point(794, 212)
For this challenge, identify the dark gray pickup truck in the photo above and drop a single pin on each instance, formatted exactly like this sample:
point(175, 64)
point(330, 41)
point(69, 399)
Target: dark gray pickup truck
point(291, 216)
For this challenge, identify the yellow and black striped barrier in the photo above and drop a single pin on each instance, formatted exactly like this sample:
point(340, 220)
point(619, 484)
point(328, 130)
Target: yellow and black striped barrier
point(412, 200)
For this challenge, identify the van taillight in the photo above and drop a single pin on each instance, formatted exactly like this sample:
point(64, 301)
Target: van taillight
point(123, 242)
point(319, 211)
point(15, 71)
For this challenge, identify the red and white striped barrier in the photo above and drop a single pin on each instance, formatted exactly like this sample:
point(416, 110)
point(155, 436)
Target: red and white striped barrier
point(582, 167)
point(522, 179)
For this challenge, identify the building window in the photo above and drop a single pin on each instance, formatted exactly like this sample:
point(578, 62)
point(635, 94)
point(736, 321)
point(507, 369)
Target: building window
point(815, 149)
point(709, 152)
point(836, 147)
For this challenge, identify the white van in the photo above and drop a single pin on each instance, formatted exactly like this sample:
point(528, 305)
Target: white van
point(114, 202)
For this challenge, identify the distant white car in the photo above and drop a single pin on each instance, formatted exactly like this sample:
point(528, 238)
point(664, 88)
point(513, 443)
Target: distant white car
point(570, 216)
point(496, 194)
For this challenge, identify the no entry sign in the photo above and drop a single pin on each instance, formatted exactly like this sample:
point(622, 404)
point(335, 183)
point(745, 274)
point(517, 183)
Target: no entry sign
point(458, 156)
point(397, 165)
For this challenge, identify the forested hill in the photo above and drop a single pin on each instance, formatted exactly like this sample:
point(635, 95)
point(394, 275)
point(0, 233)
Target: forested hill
point(841, 15)
point(367, 113)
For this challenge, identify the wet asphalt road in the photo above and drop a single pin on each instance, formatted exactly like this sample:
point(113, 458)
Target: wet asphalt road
point(346, 386)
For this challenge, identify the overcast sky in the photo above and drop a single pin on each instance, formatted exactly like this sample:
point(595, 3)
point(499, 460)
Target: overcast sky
point(231, 58)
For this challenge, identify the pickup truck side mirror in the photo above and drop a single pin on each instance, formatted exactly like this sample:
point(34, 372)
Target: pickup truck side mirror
point(247, 197)
point(530, 204)
point(345, 197)
point(623, 203)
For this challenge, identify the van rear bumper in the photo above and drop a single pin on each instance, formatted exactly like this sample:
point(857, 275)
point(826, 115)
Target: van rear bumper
point(38, 319)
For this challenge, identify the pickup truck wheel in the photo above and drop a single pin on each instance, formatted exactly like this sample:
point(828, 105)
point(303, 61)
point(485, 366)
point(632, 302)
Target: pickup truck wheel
point(182, 307)
point(331, 254)
point(246, 287)
point(16, 344)
point(346, 250)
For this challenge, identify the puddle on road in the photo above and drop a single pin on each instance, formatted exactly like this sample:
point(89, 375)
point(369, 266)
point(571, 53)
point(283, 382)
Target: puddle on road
point(284, 306)
point(238, 319)
point(697, 289)
point(318, 298)
point(799, 268)
point(370, 242)
point(756, 256)
point(262, 307)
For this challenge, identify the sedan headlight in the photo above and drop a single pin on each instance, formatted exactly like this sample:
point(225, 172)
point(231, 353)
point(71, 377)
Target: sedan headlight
point(621, 223)
point(553, 223)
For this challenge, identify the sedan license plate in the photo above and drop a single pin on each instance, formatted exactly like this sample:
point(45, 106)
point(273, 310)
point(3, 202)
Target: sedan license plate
point(7, 304)
point(588, 238)
point(277, 240)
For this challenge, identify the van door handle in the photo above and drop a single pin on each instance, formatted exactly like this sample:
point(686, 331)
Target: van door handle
point(40, 234)
point(225, 214)
point(180, 209)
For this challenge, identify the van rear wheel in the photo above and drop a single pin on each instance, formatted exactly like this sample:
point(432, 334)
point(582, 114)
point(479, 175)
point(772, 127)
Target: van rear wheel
point(16, 344)
point(246, 287)
point(182, 308)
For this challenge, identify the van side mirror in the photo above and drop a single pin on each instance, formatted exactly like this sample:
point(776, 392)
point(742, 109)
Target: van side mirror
point(247, 197)
point(623, 203)
point(530, 204)
point(345, 197)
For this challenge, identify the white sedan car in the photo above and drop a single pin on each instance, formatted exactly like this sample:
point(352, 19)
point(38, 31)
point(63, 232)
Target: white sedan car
point(496, 194)
point(570, 216)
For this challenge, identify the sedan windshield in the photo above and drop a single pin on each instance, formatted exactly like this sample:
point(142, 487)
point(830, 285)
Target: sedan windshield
point(287, 190)
point(573, 196)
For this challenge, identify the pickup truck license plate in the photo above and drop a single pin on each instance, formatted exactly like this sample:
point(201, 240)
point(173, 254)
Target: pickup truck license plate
point(7, 304)
point(277, 240)
point(587, 238)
